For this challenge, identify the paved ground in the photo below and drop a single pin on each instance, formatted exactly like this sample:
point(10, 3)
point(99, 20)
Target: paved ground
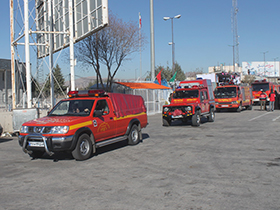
point(232, 163)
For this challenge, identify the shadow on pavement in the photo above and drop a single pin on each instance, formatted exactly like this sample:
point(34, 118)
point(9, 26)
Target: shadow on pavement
point(5, 139)
point(62, 156)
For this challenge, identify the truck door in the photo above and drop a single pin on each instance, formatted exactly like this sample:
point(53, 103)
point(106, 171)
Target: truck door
point(206, 101)
point(105, 126)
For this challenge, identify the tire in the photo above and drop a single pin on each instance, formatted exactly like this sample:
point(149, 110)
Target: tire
point(37, 154)
point(166, 122)
point(239, 108)
point(133, 136)
point(196, 119)
point(211, 117)
point(83, 148)
point(249, 107)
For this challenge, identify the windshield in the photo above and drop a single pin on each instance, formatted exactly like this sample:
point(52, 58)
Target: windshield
point(225, 92)
point(258, 87)
point(186, 94)
point(72, 108)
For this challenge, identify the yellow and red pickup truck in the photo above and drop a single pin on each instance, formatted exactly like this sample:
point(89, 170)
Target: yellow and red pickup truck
point(83, 122)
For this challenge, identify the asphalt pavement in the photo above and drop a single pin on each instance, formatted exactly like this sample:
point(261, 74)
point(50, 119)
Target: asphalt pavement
point(232, 163)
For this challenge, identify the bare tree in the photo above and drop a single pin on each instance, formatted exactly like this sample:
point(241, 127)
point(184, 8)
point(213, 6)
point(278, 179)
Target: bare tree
point(249, 79)
point(110, 46)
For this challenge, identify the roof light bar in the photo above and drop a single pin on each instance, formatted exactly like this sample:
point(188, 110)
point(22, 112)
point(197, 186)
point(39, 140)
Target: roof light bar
point(86, 93)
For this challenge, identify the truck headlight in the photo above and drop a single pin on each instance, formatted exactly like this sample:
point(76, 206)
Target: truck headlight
point(234, 102)
point(165, 109)
point(60, 129)
point(24, 129)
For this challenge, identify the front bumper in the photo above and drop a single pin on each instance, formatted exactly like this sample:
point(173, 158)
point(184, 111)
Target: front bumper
point(49, 144)
point(177, 112)
point(226, 106)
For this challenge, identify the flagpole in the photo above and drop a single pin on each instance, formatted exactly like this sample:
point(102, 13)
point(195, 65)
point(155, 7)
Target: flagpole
point(140, 26)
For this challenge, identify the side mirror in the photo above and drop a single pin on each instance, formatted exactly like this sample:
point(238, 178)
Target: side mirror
point(98, 113)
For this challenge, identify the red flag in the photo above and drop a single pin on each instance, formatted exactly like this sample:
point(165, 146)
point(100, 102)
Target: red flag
point(159, 77)
point(140, 21)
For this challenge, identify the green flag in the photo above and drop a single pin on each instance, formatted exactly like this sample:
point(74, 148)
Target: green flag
point(173, 78)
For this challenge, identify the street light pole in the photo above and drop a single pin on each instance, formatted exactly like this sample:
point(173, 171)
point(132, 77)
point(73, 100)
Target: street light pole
point(173, 54)
point(264, 62)
point(275, 66)
point(233, 57)
point(172, 46)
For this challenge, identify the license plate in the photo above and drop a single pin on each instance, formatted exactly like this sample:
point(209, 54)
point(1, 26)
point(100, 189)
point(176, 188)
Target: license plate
point(36, 144)
point(224, 105)
point(179, 116)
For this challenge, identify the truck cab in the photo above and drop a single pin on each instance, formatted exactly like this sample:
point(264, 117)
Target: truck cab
point(264, 85)
point(190, 101)
point(233, 97)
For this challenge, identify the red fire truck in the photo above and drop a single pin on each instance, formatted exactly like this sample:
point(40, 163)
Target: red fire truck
point(191, 101)
point(265, 86)
point(233, 97)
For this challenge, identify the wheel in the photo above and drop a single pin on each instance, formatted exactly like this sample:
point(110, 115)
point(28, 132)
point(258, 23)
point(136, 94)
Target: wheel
point(211, 117)
point(134, 137)
point(37, 154)
point(239, 108)
point(83, 148)
point(166, 122)
point(249, 107)
point(196, 119)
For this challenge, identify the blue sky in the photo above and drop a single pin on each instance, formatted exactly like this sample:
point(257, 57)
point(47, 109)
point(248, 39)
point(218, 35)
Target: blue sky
point(202, 35)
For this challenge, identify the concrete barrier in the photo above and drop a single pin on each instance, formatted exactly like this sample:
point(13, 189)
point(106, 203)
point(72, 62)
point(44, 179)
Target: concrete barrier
point(6, 119)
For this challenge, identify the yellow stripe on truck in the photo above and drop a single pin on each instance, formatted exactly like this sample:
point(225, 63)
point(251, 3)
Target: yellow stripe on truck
point(128, 116)
point(80, 125)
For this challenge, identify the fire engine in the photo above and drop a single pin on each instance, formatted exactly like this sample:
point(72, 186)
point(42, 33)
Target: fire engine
point(265, 86)
point(190, 101)
point(233, 97)
point(83, 122)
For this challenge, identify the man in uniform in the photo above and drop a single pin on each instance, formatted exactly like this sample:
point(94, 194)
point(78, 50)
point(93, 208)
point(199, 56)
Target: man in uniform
point(263, 97)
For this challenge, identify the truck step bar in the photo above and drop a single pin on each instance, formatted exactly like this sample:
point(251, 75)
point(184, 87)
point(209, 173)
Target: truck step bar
point(111, 141)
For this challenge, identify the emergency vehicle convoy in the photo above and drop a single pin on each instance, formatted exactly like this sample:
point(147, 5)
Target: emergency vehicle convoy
point(83, 122)
point(233, 97)
point(191, 101)
point(264, 85)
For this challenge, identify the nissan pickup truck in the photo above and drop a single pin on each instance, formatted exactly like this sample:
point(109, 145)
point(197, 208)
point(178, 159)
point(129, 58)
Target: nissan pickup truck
point(83, 122)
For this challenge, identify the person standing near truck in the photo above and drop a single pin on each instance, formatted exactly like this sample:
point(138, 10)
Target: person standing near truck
point(271, 100)
point(263, 97)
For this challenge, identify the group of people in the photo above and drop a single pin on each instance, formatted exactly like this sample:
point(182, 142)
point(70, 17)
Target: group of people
point(263, 99)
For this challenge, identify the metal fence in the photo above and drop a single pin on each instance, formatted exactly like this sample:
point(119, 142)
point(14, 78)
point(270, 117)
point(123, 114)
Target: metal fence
point(154, 98)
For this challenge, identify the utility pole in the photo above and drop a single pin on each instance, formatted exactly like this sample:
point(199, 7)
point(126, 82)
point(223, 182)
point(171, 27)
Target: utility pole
point(12, 53)
point(152, 35)
point(51, 53)
point(235, 32)
point(27, 55)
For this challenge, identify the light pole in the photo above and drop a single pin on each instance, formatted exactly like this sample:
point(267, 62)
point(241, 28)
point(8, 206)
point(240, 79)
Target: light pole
point(275, 66)
point(264, 62)
point(172, 43)
point(233, 62)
